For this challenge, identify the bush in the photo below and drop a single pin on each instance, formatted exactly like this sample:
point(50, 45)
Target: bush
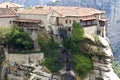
point(54, 63)
point(116, 67)
point(20, 40)
point(83, 65)
point(4, 33)
point(77, 32)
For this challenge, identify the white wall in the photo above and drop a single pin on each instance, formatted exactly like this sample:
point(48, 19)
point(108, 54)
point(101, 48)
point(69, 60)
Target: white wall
point(5, 22)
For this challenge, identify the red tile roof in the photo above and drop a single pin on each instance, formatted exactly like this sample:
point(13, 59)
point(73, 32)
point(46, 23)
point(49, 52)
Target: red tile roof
point(10, 5)
point(7, 12)
point(63, 10)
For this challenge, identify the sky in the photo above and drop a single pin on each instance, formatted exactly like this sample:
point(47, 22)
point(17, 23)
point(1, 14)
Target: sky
point(53, 0)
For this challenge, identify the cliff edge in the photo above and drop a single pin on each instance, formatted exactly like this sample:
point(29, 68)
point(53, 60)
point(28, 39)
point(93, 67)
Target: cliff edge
point(102, 57)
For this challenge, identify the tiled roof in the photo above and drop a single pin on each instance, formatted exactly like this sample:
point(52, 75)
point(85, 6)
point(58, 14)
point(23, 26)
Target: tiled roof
point(7, 12)
point(34, 11)
point(10, 5)
point(62, 10)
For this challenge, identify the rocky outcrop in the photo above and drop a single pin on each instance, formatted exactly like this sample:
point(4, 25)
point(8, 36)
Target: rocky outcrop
point(2, 59)
point(2, 56)
point(102, 56)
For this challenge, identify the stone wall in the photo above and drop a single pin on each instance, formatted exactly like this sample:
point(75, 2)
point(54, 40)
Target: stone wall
point(70, 20)
point(90, 30)
point(23, 58)
point(41, 17)
point(6, 22)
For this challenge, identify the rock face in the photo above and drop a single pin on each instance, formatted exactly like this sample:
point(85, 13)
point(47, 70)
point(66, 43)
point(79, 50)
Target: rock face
point(2, 56)
point(102, 57)
point(2, 59)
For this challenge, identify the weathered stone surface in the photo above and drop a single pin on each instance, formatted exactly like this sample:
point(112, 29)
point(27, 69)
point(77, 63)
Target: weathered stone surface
point(102, 58)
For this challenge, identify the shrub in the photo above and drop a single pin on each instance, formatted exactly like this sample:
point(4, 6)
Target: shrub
point(116, 67)
point(20, 40)
point(83, 65)
point(4, 33)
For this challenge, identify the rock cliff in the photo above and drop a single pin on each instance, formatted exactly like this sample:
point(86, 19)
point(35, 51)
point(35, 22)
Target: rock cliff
point(102, 57)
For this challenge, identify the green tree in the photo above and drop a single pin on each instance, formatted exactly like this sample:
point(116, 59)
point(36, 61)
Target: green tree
point(83, 65)
point(73, 44)
point(53, 59)
point(19, 39)
point(54, 63)
point(77, 32)
point(4, 33)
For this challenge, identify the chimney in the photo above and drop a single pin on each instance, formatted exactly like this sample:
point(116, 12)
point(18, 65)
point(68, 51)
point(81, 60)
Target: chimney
point(6, 6)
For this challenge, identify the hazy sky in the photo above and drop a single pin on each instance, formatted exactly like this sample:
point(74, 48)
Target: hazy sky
point(53, 0)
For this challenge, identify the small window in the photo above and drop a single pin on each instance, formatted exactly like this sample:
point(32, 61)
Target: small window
point(74, 21)
point(10, 22)
point(66, 21)
point(70, 21)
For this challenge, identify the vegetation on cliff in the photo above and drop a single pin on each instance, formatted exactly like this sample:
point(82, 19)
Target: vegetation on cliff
point(116, 67)
point(82, 62)
point(4, 34)
point(53, 59)
point(15, 37)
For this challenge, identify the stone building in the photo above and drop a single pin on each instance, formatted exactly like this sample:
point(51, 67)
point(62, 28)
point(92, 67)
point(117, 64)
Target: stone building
point(51, 18)
point(7, 15)
point(54, 17)
point(11, 5)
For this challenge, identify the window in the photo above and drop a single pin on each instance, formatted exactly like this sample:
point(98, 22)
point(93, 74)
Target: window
point(66, 21)
point(10, 22)
point(73, 20)
point(70, 21)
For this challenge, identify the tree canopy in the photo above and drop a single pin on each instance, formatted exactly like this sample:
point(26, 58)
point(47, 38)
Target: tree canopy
point(19, 39)
point(53, 59)
point(77, 32)
point(4, 33)
point(83, 65)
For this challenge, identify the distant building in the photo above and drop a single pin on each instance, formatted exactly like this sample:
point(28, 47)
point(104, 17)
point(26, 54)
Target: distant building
point(7, 15)
point(11, 5)
point(53, 17)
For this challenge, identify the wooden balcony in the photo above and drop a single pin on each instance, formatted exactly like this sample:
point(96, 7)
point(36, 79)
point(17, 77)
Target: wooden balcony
point(27, 23)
